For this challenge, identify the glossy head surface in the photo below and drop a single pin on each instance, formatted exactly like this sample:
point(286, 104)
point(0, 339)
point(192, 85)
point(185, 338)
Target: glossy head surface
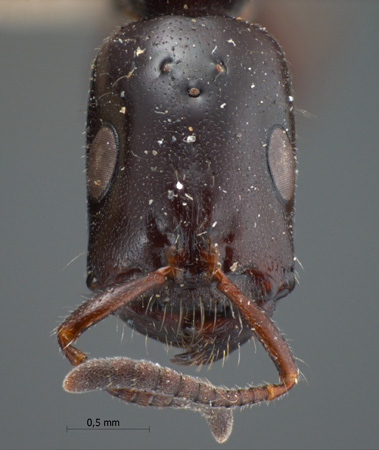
point(196, 120)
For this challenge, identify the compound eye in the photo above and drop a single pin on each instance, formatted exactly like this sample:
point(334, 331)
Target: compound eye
point(282, 163)
point(101, 162)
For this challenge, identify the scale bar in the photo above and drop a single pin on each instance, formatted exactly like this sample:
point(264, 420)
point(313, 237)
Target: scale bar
point(107, 429)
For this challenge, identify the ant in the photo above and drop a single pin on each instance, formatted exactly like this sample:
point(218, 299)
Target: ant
point(191, 176)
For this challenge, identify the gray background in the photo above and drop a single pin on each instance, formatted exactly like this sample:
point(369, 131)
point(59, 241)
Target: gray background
point(330, 319)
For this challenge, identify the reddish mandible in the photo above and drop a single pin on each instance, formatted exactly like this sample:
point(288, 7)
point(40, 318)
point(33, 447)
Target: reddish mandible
point(191, 178)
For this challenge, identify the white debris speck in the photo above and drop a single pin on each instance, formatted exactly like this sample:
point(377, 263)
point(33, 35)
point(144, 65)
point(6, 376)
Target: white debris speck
point(160, 141)
point(170, 195)
point(290, 98)
point(122, 168)
point(151, 202)
point(252, 86)
point(122, 95)
point(139, 51)
point(190, 139)
point(154, 152)
point(233, 267)
point(173, 138)
point(223, 106)
point(188, 196)
point(123, 110)
point(179, 185)
point(230, 41)
point(214, 224)
point(214, 49)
